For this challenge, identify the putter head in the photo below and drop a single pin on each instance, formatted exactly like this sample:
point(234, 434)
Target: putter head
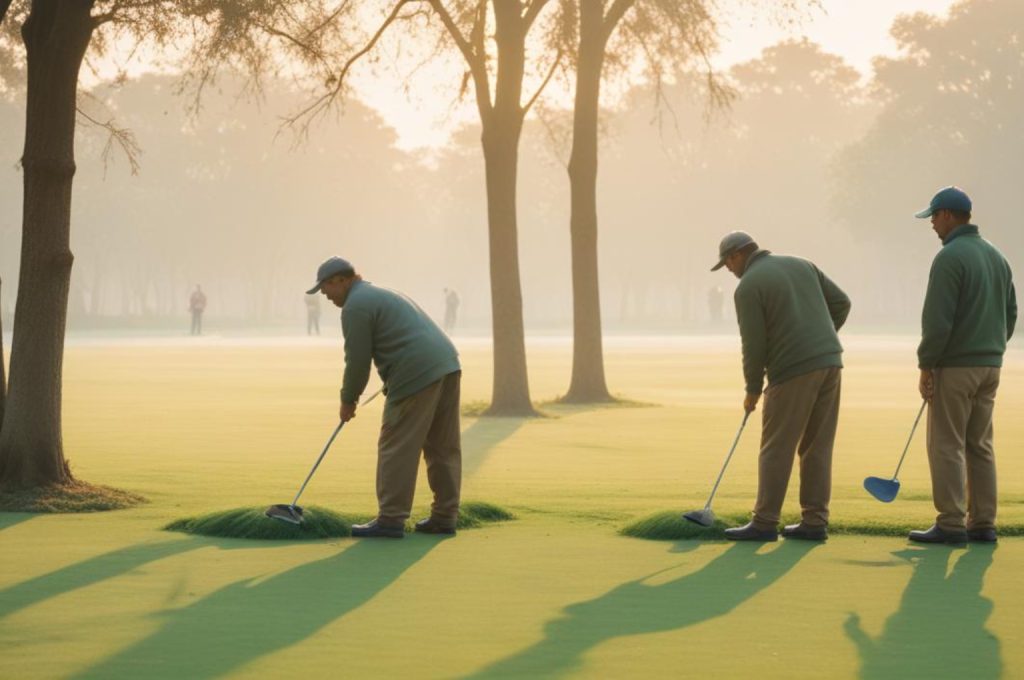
point(884, 490)
point(705, 517)
point(290, 514)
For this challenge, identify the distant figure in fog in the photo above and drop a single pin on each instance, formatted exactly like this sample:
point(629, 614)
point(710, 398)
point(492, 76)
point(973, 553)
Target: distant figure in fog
point(196, 305)
point(716, 303)
point(312, 314)
point(451, 309)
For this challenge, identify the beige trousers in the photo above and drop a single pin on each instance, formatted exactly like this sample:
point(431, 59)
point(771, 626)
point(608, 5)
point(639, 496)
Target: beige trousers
point(800, 415)
point(427, 421)
point(960, 451)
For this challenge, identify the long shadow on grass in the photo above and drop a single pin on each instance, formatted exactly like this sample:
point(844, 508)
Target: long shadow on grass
point(87, 573)
point(636, 608)
point(251, 618)
point(481, 438)
point(939, 629)
point(9, 519)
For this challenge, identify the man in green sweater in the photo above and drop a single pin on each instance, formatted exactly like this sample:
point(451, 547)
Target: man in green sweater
point(970, 310)
point(421, 374)
point(788, 313)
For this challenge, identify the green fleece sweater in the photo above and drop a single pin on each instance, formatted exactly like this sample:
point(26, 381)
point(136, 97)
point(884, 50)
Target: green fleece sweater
point(390, 330)
point(970, 308)
point(788, 313)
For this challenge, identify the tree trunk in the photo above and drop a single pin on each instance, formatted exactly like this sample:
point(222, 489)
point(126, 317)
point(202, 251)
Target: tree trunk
point(3, 375)
point(56, 35)
point(502, 128)
point(588, 381)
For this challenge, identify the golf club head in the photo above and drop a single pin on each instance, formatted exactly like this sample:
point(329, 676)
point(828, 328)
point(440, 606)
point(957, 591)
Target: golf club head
point(290, 514)
point(884, 490)
point(705, 517)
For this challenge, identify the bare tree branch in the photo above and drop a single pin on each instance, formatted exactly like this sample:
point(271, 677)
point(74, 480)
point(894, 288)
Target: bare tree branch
point(547, 79)
point(533, 10)
point(615, 14)
point(116, 136)
point(473, 50)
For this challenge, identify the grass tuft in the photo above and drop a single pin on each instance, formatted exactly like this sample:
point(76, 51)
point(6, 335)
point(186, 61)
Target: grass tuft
point(68, 498)
point(318, 523)
point(670, 526)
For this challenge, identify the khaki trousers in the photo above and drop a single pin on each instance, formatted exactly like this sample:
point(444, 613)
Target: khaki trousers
point(427, 421)
point(960, 451)
point(800, 415)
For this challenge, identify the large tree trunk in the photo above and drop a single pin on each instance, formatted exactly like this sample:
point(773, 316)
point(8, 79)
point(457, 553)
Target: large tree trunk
point(502, 128)
point(588, 381)
point(3, 375)
point(56, 35)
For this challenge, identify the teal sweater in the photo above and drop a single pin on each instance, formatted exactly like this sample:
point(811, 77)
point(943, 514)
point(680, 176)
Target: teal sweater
point(788, 312)
point(970, 308)
point(408, 348)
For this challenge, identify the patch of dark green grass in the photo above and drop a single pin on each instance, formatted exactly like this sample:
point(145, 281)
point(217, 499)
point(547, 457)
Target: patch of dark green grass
point(68, 498)
point(318, 523)
point(616, 401)
point(670, 526)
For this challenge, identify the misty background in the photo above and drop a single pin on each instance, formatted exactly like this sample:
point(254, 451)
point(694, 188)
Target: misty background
point(813, 157)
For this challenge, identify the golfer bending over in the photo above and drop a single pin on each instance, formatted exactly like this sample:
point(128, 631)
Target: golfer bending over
point(788, 313)
point(970, 310)
point(420, 370)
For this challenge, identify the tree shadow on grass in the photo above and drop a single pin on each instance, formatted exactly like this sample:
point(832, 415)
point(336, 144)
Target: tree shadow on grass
point(88, 572)
point(939, 629)
point(481, 438)
point(9, 519)
point(636, 608)
point(251, 618)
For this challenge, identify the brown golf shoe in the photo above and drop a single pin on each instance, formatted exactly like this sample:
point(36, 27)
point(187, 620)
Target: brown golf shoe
point(376, 529)
point(432, 525)
point(805, 532)
point(749, 532)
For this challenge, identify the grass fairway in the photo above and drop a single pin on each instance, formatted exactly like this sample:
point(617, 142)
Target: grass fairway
point(559, 592)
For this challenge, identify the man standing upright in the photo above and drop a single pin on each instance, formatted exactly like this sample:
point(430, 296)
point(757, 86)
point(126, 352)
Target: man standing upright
point(970, 310)
point(197, 305)
point(420, 370)
point(789, 313)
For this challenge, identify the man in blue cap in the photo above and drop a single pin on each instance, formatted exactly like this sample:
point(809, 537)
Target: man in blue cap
point(970, 310)
point(420, 370)
point(789, 314)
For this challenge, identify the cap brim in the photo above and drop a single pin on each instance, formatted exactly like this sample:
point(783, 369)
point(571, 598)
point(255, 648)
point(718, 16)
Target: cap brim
point(721, 263)
point(315, 289)
point(927, 212)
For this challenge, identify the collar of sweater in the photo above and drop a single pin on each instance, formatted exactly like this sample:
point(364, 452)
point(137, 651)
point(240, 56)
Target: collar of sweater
point(962, 230)
point(754, 257)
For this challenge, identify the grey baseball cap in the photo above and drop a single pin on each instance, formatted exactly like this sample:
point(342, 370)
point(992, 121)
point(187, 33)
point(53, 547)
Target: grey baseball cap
point(332, 266)
point(732, 242)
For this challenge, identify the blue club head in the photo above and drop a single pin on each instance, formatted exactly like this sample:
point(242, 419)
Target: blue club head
point(884, 490)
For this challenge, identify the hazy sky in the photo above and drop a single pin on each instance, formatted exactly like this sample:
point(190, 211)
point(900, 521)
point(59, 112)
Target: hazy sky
point(856, 29)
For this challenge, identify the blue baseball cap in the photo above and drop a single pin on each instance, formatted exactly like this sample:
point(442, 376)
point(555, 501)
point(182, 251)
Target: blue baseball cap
point(950, 198)
point(332, 266)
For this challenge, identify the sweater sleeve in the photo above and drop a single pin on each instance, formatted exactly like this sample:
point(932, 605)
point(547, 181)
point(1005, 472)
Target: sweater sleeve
point(837, 301)
point(754, 336)
point(1011, 311)
point(355, 325)
point(939, 311)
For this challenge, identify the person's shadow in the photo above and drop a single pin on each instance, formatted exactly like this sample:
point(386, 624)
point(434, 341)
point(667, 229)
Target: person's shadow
point(939, 629)
point(251, 618)
point(636, 608)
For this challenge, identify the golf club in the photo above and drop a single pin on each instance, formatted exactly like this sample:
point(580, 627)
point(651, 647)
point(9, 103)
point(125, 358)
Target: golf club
point(706, 517)
point(291, 513)
point(885, 490)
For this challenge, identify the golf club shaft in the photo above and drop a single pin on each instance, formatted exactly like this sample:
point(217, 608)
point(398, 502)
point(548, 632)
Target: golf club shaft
point(909, 439)
point(317, 463)
point(329, 442)
point(727, 459)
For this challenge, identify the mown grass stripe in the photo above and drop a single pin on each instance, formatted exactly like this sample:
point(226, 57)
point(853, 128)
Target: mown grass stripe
point(670, 526)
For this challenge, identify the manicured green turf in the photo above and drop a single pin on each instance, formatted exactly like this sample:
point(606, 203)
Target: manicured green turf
point(559, 592)
point(317, 522)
